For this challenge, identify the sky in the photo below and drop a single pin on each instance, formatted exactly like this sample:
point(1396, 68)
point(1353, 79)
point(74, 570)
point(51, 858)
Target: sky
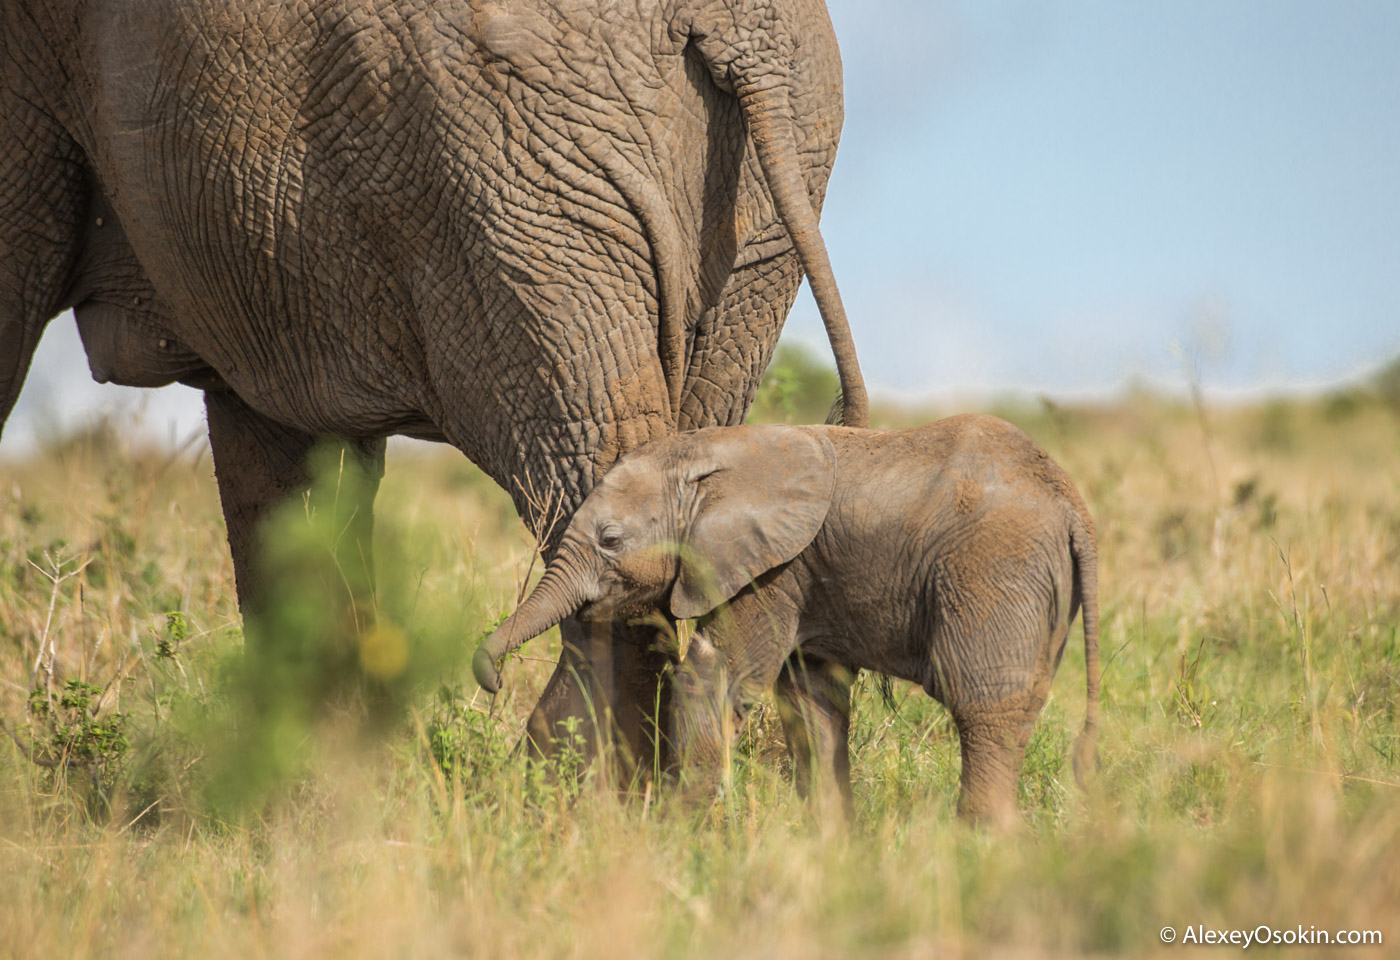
point(1066, 197)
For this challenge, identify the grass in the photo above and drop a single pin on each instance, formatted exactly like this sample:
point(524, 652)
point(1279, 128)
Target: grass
point(201, 805)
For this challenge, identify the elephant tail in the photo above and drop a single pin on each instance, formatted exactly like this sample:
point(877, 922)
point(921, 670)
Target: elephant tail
point(836, 416)
point(751, 52)
point(1084, 550)
point(769, 116)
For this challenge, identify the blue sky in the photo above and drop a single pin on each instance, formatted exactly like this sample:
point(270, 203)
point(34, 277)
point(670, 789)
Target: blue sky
point(1051, 195)
point(1059, 197)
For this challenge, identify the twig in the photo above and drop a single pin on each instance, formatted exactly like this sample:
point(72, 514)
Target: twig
point(21, 849)
point(1193, 384)
point(47, 763)
point(92, 656)
point(547, 511)
point(1304, 642)
point(1112, 656)
point(56, 578)
point(138, 817)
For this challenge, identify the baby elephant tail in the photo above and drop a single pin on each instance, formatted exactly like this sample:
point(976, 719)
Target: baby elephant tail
point(836, 416)
point(1084, 550)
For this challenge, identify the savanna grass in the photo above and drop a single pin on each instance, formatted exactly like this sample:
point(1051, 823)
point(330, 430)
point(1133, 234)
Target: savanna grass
point(356, 796)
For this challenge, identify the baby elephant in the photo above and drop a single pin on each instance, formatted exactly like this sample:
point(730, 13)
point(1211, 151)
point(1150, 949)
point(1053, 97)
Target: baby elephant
point(955, 555)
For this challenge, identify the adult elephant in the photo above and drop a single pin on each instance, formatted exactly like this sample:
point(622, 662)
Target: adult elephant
point(543, 231)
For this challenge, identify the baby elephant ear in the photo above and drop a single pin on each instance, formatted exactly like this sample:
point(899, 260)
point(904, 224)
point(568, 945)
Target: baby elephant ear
point(761, 494)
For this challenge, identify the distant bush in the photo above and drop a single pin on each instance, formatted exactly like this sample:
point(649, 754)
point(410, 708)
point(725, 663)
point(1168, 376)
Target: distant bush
point(1387, 384)
point(1278, 430)
point(1341, 405)
point(798, 387)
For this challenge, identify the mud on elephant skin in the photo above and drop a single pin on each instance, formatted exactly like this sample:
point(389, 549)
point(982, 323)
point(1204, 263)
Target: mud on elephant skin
point(955, 555)
point(545, 231)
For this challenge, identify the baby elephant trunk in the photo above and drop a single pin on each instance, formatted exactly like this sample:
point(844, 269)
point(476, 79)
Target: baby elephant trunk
point(552, 600)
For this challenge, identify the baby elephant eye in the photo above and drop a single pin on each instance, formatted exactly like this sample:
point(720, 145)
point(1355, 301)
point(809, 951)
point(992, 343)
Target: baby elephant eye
point(610, 536)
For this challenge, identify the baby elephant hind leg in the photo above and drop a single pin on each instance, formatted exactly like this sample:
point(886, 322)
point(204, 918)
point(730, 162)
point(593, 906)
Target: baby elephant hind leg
point(993, 738)
point(814, 702)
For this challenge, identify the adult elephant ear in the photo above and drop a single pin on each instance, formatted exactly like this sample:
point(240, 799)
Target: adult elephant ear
point(750, 50)
point(758, 495)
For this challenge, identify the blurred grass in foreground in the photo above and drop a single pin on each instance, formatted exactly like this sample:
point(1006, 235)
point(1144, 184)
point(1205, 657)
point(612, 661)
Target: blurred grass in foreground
point(1250, 742)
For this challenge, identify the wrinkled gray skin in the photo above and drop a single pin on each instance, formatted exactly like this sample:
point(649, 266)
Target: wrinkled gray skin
point(954, 555)
point(544, 231)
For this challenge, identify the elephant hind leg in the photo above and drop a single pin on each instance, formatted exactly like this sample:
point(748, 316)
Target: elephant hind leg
point(993, 738)
point(43, 198)
point(814, 702)
point(261, 464)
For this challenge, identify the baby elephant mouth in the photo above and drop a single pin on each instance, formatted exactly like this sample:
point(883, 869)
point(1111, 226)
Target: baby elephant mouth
point(612, 610)
point(606, 611)
point(595, 611)
point(621, 595)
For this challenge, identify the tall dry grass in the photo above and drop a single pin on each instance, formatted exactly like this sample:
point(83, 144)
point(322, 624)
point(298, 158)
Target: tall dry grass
point(1250, 746)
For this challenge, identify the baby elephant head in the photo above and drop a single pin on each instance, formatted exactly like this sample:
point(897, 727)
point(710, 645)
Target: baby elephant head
point(684, 523)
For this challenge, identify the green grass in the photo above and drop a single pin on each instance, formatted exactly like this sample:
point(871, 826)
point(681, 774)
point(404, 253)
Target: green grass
point(1250, 580)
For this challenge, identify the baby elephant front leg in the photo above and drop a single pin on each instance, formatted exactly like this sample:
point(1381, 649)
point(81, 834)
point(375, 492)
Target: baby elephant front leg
point(703, 719)
point(814, 702)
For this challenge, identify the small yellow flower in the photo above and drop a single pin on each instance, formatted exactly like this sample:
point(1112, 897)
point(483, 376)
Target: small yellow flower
point(383, 651)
